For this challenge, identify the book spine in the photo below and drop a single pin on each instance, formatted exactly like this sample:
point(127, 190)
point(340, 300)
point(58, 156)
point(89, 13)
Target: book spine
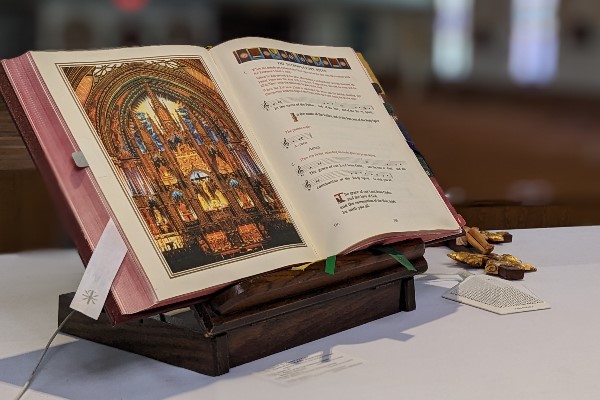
point(79, 204)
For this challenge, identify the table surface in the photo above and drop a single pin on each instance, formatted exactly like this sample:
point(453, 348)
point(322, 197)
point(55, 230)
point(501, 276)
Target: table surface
point(442, 350)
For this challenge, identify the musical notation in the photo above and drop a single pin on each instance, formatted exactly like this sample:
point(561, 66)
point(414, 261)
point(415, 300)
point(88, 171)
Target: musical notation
point(334, 176)
point(322, 164)
point(296, 139)
point(315, 102)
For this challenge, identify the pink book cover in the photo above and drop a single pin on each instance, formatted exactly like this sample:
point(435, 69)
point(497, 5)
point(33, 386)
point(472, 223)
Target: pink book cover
point(81, 206)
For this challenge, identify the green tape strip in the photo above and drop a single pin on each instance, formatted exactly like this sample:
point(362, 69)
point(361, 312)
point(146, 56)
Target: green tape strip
point(396, 255)
point(330, 265)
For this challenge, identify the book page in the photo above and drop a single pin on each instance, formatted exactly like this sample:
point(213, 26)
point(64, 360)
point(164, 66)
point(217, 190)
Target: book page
point(331, 142)
point(173, 163)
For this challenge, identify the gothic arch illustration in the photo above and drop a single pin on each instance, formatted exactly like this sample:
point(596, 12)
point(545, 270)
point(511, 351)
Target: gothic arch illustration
point(183, 160)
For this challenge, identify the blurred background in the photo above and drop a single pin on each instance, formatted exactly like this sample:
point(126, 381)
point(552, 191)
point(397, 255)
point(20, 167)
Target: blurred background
point(501, 96)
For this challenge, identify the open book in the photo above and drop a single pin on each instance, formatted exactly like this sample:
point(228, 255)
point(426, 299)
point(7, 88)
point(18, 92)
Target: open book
point(219, 164)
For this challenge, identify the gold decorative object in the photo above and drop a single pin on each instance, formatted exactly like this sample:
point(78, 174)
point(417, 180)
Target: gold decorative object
point(481, 240)
point(491, 267)
point(476, 239)
point(472, 259)
point(490, 262)
point(496, 237)
point(512, 261)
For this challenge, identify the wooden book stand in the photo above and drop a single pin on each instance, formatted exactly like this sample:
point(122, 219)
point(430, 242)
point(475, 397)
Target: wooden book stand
point(265, 314)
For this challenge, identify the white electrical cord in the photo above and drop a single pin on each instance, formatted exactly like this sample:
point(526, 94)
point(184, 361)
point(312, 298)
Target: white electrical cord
point(30, 379)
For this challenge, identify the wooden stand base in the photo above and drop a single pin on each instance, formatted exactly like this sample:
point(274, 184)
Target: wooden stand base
point(263, 315)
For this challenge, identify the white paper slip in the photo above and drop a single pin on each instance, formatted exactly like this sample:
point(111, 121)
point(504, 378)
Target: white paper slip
point(100, 272)
point(310, 366)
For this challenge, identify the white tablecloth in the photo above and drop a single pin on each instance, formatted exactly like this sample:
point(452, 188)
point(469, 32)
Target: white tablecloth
point(442, 350)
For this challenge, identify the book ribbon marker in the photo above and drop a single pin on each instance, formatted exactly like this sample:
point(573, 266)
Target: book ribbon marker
point(100, 272)
point(396, 255)
point(330, 265)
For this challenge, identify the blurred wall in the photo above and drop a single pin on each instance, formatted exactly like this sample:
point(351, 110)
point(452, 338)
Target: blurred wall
point(396, 35)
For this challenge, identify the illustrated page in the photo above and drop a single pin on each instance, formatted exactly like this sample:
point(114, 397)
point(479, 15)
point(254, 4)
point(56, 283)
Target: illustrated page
point(338, 154)
point(173, 162)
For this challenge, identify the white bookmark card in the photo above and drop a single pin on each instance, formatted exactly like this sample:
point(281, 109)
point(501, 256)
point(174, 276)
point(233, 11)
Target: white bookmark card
point(100, 272)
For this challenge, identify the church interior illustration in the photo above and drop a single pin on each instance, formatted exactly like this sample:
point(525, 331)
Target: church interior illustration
point(183, 161)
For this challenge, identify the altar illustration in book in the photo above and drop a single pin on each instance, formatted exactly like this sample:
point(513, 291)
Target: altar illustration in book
point(183, 161)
